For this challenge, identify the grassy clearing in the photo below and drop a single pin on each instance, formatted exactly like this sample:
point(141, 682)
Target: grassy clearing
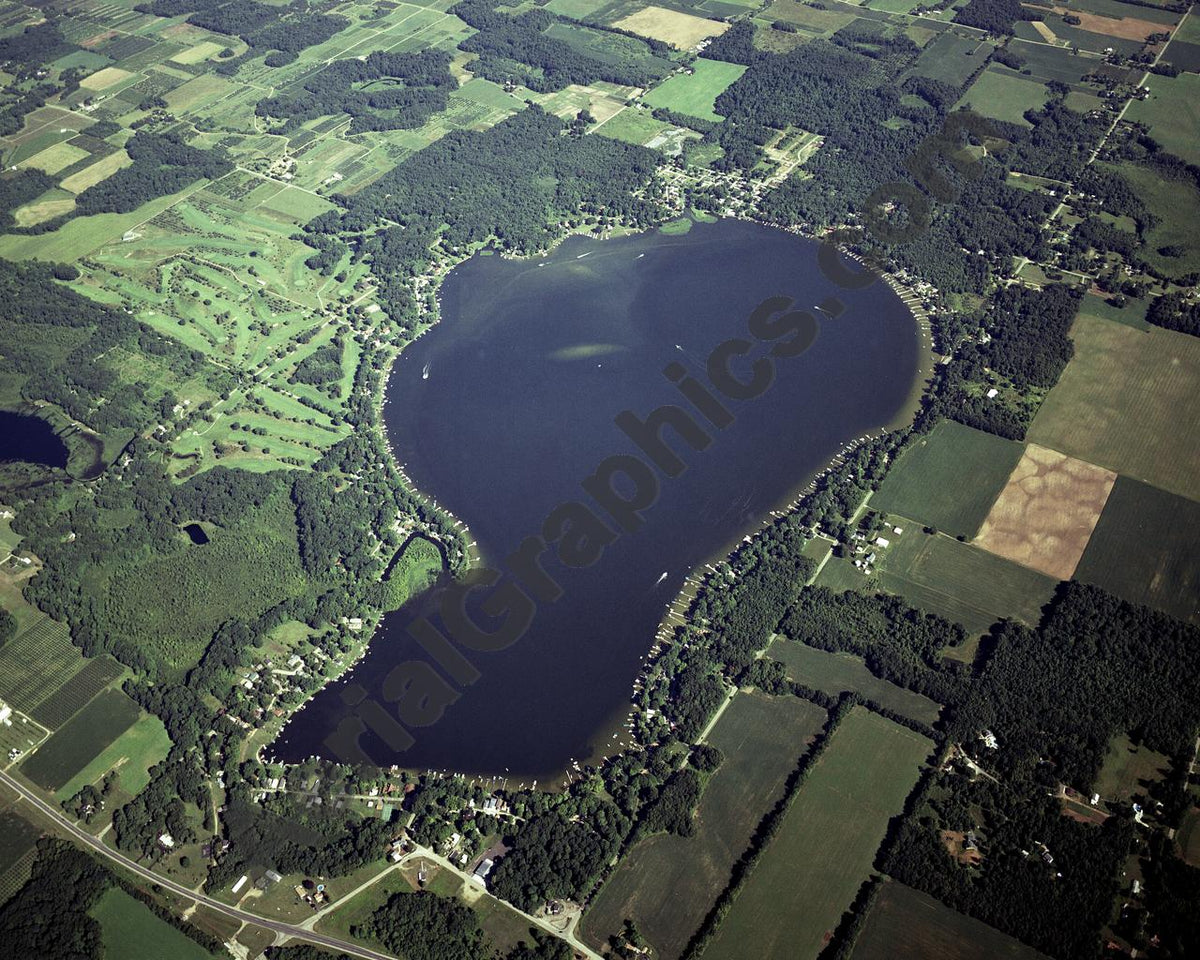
point(1003, 94)
point(695, 93)
point(1144, 549)
point(1128, 769)
point(1176, 203)
point(633, 126)
point(668, 883)
point(133, 753)
point(76, 743)
point(834, 673)
point(949, 479)
point(905, 924)
point(1188, 836)
point(129, 931)
point(1128, 401)
point(826, 843)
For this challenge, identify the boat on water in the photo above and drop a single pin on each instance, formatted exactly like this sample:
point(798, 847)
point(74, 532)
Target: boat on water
point(425, 371)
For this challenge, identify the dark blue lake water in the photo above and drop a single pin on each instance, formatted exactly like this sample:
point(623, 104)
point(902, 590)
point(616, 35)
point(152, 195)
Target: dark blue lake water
point(31, 440)
point(506, 406)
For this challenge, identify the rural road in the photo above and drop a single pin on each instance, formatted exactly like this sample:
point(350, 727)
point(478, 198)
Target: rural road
point(287, 929)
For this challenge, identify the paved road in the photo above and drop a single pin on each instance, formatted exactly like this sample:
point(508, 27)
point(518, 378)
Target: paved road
point(287, 929)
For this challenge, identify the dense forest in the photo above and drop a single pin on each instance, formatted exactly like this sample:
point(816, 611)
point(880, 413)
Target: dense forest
point(518, 49)
point(384, 91)
point(162, 164)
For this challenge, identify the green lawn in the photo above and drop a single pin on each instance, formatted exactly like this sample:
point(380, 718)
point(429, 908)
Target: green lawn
point(824, 848)
point(668, 883)
point(1128, 769)
point(130, 931)
point(417, 567)
point(834, 673)
point(695, 93)
point(948, 479)
point(1176, 204)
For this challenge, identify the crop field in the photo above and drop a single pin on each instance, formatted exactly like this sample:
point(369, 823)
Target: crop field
point(826, 844)
point(1128, 769)
point(130, 931)
point(132, 755)
point(1173, 114)
point(681, 30)
point(905, 924)
point(84, 736)
point(834, 673)
point(667, 883)
point(633, 126)
point(808, 19)
point(1144, 549)
point(1003, 94)
point(37, 663)
point(77, 692)
point(1128, 401)
point(948, 479)
point(1051, 63)
point(1118, 9)
point(17, 837)
point(695, 93)
point(952, 58)
point(1046, 513)
point(960, 582)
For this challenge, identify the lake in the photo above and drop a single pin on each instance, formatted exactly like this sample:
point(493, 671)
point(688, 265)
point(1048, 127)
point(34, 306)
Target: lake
point(30, 439)
point(504, 408)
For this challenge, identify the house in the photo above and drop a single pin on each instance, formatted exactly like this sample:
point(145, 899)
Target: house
point(5, 713)
point(481, 872)
point(882, 542)
point(989, 740)
point(991, 394)
point(166, 841)
point(274, 876)
point(241, 883)
point(971, 842)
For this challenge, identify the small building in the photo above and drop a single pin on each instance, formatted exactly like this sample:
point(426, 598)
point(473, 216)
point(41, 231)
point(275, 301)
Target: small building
point(992, 393)
point(274, 876)
point(481, 872)
point(166, 841)
point(241, 883)
point(882, 542)
point(1137, 887)
point(5, 713)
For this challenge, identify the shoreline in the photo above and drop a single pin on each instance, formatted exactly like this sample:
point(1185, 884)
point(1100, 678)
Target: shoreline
point(612, 736)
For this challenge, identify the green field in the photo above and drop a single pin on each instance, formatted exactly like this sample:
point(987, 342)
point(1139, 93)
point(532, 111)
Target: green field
point(695, 93)
point(1172, 113)
point(76, 744)
point(17, 838)
point(962, 582)
point(825, 846)
point(130, 931)
point(1144, 549)
point(1003, 94)
point(44, 675)
point(668, 883)
point(834, 673)
point(905, 924)
point(1176, 204)
point(1128, 401)
point(948, 479)
point(1133, 314)
point(1128, 769)
point(952, 59)
point(133, 753)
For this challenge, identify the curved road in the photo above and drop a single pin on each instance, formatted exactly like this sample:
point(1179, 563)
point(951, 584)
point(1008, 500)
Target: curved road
point(287, 929)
